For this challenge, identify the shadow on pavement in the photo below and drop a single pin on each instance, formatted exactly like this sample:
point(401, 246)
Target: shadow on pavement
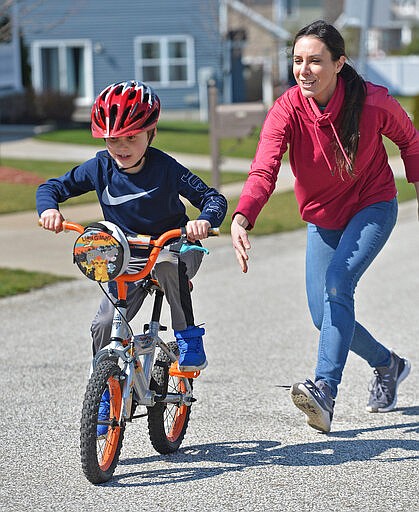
point(209, 460)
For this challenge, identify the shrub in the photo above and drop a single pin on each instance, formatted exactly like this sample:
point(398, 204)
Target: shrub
point(13, 109)
point(29, 107)
point(54, 106)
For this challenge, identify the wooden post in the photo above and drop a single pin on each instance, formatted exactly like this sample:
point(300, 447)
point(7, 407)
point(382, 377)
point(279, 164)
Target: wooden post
point(214, 140)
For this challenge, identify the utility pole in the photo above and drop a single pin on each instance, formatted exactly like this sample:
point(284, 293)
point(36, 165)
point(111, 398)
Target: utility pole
point(215, 148)
point(363, 37)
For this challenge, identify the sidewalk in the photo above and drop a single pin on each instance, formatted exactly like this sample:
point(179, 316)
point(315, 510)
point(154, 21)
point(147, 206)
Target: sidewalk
point(29, 147)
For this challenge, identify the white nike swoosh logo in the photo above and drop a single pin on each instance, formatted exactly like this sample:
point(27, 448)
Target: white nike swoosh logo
point(110, 200)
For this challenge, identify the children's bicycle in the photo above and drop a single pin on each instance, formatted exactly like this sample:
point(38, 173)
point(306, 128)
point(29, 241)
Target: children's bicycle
point(133, 370)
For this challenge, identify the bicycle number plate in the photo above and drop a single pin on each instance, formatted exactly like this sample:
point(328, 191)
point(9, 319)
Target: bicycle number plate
point(101, 254)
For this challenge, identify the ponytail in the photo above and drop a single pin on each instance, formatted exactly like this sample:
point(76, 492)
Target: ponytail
point(355, 94)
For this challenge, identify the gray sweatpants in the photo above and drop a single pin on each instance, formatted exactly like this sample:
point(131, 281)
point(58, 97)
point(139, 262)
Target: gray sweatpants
point(173, 272)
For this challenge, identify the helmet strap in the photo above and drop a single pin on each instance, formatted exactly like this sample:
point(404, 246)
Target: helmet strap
point(135, 165)
point(151, 134)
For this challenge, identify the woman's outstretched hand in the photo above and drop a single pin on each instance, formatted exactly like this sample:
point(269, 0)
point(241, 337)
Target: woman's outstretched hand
point(240, 240)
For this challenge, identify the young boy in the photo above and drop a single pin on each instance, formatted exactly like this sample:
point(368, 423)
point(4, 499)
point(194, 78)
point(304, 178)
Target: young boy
point(138, 188)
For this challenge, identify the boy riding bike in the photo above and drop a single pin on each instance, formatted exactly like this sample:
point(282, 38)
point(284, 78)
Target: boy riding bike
point(139, 189)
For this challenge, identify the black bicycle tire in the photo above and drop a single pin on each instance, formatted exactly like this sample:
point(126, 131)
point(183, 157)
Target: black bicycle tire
point(93, 450)
point(158, 430)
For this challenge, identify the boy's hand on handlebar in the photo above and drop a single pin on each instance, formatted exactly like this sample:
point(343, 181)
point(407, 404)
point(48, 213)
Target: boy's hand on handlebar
point(197, 230)
point(240, 240)
point(52, 220)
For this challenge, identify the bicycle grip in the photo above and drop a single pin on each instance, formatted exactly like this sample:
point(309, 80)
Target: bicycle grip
point(211, 231)
point(214, 232)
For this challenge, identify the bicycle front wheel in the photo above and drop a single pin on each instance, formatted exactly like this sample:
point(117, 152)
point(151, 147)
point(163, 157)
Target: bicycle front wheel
point(167, 422)
point(101, 439)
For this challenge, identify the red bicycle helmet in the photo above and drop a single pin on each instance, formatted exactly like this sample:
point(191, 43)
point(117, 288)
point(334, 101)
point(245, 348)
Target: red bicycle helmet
point(124, 109)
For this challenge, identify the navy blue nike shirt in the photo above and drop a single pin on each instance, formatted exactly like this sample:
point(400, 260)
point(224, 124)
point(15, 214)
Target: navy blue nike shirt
point(147, 202)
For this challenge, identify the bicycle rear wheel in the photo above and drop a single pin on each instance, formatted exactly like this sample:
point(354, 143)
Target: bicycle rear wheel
point(167, 423)
point(100, 454)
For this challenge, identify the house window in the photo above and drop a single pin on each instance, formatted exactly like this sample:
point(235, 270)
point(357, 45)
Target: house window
point(64, 66)
point(165, 60)
point(406, 7)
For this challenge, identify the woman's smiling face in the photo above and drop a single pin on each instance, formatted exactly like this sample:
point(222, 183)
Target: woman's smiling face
point(314, 70)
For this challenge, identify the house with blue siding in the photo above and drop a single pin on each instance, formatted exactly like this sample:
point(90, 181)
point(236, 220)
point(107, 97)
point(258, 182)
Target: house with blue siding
point(80, 46)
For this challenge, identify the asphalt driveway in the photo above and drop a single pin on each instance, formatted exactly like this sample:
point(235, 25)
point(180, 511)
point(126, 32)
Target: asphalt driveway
point(247, 446)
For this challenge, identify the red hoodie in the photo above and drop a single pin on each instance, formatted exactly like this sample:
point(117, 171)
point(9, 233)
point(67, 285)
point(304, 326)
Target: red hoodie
point(324, 197)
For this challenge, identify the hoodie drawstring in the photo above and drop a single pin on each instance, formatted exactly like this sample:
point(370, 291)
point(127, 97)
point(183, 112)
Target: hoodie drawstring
point(316, 126)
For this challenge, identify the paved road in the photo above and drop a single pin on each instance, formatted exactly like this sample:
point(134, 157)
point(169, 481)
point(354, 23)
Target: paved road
point(247, 447)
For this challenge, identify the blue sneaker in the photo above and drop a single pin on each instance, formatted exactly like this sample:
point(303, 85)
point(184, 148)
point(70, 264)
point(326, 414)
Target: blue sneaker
point(191, 349)
point(103, 413)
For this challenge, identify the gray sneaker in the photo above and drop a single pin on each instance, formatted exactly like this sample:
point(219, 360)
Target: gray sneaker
point(383, 386)
point(316, 402)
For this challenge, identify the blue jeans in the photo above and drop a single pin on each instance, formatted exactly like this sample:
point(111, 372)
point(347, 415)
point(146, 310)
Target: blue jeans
point(335, 261)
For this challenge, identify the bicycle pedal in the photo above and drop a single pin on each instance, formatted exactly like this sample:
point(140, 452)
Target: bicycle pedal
point(175, 372)
point(146, 328)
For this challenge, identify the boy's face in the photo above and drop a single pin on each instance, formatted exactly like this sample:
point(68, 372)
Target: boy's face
point(127, 151)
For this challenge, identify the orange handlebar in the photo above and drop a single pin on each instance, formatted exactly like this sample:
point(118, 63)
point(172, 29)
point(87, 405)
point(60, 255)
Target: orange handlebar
point(72, 226)
point(165, 237)
point(139, 241)
point(158, 245)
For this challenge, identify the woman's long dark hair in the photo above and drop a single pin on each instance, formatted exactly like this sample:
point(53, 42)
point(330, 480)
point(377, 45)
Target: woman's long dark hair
point(355, 91)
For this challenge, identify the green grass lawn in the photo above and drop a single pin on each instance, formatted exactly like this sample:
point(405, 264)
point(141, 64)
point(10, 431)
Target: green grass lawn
point(281, 211)
point(14, 281)
point(172, 137)
point(19, 198)
point(280, 214)
point(181, 137)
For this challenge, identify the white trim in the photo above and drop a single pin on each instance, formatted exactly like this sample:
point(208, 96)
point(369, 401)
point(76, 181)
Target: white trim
point(61, 45)
point(164, 61)
point(11, 77)
point(260, 20)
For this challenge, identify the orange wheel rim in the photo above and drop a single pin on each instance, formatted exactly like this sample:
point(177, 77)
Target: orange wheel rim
point(107, 448)
point(179, 418)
